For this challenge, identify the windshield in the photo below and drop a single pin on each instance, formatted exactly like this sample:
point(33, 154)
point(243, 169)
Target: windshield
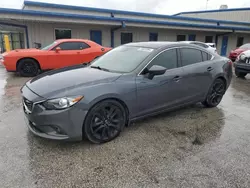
point(48, 47)
point(122, 59)
point(245, 46)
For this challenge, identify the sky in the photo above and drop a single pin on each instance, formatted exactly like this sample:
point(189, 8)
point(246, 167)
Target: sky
point(168, 7)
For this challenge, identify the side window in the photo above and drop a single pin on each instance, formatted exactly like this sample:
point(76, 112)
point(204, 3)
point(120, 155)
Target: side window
point(206, 56)
point(181, 38)
point(190, 56)
point(83, 45)
point(72, 46)
point(167, 59)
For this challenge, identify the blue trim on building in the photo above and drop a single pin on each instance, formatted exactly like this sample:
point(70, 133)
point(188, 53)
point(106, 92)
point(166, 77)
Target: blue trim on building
point(111, 11)
point(21, 26)
point(128, 20)
point(209, 11)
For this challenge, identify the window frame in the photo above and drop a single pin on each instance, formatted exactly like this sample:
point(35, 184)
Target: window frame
point(62, 29)
point(54, 48)
point(212, 56)
point(159, 53)
point(153, 33)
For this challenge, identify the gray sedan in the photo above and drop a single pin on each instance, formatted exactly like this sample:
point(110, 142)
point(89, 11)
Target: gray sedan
point(128, 83)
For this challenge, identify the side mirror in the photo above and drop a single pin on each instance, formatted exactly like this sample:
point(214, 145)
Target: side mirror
point(57, 49)
point(155, 70)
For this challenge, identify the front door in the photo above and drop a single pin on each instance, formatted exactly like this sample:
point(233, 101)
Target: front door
point(224, 46)
point(163, 91)
point(69, 54)
point(96, 36)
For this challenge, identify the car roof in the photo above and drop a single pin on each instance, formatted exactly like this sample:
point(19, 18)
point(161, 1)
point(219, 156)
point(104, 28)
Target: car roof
point(72, 40)
point(155, 45)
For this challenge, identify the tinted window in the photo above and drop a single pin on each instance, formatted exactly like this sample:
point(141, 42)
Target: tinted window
point(167, 59)
point(123, 59)
point(206, 56)
point(190, 56)
point(126, 38)
point(240, 41)
point(181, 37)
point(72, 46)
point(62, 34)
point(153, 36)
point(208, 39)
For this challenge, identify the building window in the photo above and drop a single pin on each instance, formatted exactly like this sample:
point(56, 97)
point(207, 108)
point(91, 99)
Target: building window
point(208, 39)
point(181, 37)
point(240, 41)
point(153, 36)
point(126, 38)
point(63, 34)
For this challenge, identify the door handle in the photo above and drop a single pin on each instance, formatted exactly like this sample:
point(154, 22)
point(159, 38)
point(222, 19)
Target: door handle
point(177, 78)
point(209, 69)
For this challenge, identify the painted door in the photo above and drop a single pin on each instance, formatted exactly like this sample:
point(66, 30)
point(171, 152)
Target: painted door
point(191, 37)
point(96, 36)
point(224, 46)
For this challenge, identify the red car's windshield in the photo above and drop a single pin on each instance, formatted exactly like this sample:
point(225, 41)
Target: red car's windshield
point(48, 47)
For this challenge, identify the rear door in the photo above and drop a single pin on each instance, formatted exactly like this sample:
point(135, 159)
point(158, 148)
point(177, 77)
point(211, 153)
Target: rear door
point(198, 69)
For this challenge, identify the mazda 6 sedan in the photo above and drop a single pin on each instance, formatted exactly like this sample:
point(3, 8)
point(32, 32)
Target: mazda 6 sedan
point(127, 83)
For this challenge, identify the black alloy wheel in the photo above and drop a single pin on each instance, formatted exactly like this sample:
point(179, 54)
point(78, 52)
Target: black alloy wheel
point(215, 93)
point(105, 121)
point(28, 68)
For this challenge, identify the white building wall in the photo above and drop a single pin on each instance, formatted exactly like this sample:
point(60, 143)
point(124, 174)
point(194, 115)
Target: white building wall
point(242, 16)
point(44, 33)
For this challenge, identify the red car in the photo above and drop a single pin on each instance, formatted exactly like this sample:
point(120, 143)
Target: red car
point(61, 53)
point(235, 53)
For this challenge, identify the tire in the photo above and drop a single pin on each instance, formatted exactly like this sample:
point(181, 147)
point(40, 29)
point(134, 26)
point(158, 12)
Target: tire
point(105, 121)
point(240, 74)
point(215, 94)
point(28, 68)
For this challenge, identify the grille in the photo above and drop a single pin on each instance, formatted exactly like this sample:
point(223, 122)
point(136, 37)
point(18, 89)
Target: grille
point(247, 60)
point(28, 104)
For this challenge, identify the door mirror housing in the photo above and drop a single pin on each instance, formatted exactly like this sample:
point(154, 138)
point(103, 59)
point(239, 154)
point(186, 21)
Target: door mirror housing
point(58, 49)
point(155, 70)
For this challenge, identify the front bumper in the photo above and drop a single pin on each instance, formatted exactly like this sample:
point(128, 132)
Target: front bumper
point(242, 66)
point(53, 124)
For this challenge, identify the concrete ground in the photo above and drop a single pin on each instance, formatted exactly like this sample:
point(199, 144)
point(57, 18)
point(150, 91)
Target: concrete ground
point(192, 147)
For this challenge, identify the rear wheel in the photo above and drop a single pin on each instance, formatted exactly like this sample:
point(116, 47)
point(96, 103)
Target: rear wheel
point(240, 74)
point(28, 68)
point(215, 93)
point(105, 121)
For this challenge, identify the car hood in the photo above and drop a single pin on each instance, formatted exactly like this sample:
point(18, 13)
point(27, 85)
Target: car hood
point(247, 53)
point(21, 51)
point(238, 50)
point(56, 82)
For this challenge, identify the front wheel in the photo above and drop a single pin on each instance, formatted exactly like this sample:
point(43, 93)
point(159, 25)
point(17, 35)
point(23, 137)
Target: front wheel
point(28, 68)
point(105, 121)
point(215, 94)
point(240, 74)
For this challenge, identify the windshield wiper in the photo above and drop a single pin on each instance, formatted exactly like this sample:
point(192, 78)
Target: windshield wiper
point(100, 68)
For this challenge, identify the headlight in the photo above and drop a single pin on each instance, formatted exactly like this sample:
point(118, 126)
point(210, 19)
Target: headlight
point(243, 57)
point(61, 103)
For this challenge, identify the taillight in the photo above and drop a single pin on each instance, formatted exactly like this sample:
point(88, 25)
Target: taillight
point(230, 62)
